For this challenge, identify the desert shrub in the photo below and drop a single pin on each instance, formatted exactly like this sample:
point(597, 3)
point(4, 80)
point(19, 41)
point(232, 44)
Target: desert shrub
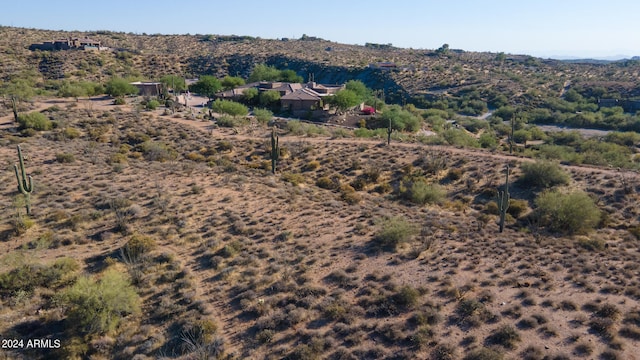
point(431, 162)
point(119, 101)
point(152, 105)
point(423, 193)
point(29, 276)
point(312, 165)
point(295, 179)
point(457, 137)
point(505, 336)
point(20, 222)
point(326, 183)
point(70, 133)
point(156, 151)
point(488, 140)
point(263, 115)
point(517, 207)
point(483, 354)
point(349, 194)
point(592, 244)
point(224, 145)
point(454, 174)
point(34, 120)
point(444, 352)
point(65, 158)
point(492, 208)
point(195, 156)
point(472, 313)
point(138, 247)
point(298, 128)
point(543, 174)
point(394, 232)
point(406, 297)
point(98, 306)
point(570, 213)
point(229, 107)
point(227, 121)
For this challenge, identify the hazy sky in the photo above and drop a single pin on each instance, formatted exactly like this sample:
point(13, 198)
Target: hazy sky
point(582, 28)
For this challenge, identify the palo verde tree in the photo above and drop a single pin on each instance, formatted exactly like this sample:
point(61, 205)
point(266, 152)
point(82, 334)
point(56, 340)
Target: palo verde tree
point(345, 99)
point(229, 107)
point(262, 72)
point(207, 86)
point(119, 87)
point(231, 82)
point(358, 87)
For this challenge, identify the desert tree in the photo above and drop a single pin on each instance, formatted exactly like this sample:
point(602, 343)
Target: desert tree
point(231, 82)
point(344, 99)
point(207, 86)
point(119, 87)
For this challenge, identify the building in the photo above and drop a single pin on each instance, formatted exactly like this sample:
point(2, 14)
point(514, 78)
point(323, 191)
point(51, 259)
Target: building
point(304, 99)
point(148, 88)
point(297, 98)
point(68, 44)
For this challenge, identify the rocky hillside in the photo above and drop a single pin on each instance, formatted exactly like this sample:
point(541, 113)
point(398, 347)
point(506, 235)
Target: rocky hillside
point(415, 74)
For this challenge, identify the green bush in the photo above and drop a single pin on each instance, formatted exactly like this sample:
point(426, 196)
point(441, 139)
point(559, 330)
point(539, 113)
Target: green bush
point(155, 151)
point(484, 354)
point(406, 297)
point(98, 306)
point(295, 179)
point(138, 247)
point(570, 213)
point(263, 115)
point(152, 105)
point(458, 137)
point(505, 336)
point(422, 193)
point(65, 158)
point(517, 207)
point(543, 174)
point(394, 232)
point(70, 133)
point(227, 121)
point(34, 120)
point(326, 183)
point(229, 107)
point(29, 276)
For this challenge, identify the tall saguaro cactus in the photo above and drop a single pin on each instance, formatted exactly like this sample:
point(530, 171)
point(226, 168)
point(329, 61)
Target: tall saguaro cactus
point(503, 200)
point(275, 150)
point(389, 131)
point(24, 186)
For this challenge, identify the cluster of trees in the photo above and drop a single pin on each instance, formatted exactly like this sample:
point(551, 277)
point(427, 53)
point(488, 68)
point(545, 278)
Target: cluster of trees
point(262, 72)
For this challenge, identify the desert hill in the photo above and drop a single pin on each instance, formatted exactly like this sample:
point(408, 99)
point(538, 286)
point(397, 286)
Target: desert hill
point(416, 74)
point(155, 235)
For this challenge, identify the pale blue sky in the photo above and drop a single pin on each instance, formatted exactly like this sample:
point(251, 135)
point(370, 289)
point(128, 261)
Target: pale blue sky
point(582, 28)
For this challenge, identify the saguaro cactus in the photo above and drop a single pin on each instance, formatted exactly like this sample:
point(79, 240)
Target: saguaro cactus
point(503, 200)
point(24, 186)
point(389, 131)
point(275, 150)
